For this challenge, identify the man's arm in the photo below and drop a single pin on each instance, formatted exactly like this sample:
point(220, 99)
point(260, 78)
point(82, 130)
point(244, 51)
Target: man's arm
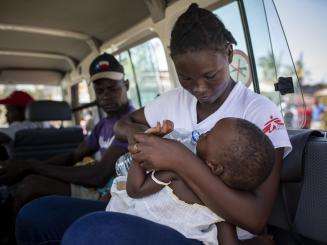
point(139, 184)
point(4, 138)
point(70, 159)
point(89, 176)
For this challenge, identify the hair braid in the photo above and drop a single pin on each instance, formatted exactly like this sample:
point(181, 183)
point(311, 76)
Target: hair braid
point(198, 29)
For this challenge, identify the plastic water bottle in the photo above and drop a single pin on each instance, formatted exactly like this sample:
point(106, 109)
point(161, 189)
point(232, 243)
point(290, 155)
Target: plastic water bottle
point(185, 137)
point(123, 163)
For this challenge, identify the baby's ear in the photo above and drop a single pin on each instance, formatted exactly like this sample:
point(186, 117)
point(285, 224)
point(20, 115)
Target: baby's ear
point(216, 168)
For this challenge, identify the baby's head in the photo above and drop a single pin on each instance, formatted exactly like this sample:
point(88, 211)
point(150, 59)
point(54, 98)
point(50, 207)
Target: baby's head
point(238, 152)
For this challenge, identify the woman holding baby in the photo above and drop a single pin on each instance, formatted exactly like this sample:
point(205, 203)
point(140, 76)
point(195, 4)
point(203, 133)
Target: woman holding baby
point(202, 49)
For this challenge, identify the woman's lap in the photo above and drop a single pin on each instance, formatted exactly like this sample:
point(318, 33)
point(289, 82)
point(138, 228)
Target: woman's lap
point(45, 220)
point(117, 228)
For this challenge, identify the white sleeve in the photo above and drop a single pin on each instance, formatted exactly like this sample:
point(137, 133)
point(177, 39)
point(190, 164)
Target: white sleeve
point(160, 108)
point(265, 115)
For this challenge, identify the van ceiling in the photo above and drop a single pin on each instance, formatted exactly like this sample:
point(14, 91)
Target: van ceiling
point(57, 35)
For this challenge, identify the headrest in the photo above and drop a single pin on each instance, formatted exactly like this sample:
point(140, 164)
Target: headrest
point(47, 110)
point(293, 164)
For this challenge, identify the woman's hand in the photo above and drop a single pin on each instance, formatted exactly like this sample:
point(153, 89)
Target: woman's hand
point(128, 126)
point(156, 153)
point(136, 129)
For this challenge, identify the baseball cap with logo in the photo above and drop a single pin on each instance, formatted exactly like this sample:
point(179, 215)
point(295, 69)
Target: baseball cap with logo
point(17, 98)
point(106, 66)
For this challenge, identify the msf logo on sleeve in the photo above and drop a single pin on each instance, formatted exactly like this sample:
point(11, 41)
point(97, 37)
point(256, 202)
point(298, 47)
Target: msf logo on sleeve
point(273, 124)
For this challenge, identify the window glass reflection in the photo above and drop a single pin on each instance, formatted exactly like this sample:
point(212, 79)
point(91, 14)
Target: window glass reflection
point(240, 67)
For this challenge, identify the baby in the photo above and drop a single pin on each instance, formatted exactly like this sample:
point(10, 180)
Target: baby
point(235, 150)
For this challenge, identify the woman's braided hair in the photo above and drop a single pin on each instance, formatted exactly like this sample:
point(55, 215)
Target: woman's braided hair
point(199, 29)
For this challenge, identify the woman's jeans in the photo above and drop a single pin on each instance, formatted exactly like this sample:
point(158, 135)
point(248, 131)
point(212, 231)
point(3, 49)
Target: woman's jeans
point(46, 221)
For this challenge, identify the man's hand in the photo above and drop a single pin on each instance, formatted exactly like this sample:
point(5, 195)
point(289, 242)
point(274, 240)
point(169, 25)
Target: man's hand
point(13, 171)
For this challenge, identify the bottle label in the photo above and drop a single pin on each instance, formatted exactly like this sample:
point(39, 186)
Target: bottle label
point(195, 136)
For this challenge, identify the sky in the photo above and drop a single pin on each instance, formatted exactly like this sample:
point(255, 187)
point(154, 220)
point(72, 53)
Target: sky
point(305, 25)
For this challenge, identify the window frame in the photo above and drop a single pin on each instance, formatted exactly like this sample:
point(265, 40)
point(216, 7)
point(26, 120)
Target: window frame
point(127, 48)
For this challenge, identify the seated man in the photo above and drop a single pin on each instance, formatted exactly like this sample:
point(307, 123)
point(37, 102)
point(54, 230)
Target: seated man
point(15, 104)
point(58, 175)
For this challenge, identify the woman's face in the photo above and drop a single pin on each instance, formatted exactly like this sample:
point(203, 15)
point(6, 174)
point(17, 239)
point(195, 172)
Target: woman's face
point(204, 73)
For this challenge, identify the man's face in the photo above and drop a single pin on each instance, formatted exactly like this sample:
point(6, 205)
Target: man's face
point(111, 95)
point(13, 114)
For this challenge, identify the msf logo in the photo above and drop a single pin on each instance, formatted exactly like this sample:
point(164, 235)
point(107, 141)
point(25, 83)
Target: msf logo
point(272, 124)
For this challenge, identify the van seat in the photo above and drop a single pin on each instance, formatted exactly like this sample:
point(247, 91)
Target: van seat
point(300, 213)
point(48, 110)
point(42, 143)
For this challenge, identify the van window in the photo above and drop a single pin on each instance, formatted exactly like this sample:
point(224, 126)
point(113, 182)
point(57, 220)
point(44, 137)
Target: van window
point(307, 40)
point(146, 67)
point(83, 92)
point(38, 92)
point(86, 112)
point(240, 69)
point(273, 60)
point(133, 92)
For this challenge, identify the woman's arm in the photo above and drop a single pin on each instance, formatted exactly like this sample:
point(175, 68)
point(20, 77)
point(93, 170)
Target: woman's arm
point(248, 210)
point(139, 184)
point(134, 123)
point(227, 234)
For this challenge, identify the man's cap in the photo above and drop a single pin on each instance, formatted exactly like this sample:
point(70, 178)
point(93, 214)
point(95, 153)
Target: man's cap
point(106, 66)
point(17, 98)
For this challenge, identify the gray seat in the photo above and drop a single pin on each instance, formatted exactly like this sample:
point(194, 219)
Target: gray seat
point(42, 143)
point(48, 110)
point(299, 215)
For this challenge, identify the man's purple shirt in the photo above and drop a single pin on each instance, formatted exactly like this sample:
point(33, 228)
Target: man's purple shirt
point(102, 135)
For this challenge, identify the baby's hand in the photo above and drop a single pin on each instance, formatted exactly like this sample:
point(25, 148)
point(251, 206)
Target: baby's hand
point(158, 130)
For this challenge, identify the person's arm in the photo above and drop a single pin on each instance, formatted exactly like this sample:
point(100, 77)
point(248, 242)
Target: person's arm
point(4, 139)
point(70, 159)
point(96, 175)
point(227, 234)
point(140, 184)
point(14, 170)
point(247, 210)
point(129, 125)
point(253, 208)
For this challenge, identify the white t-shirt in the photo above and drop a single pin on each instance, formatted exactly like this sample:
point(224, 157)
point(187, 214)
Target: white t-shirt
point(179, 106)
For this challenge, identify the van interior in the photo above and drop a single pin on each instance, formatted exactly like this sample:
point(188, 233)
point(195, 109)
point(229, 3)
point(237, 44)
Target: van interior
point(46, 47)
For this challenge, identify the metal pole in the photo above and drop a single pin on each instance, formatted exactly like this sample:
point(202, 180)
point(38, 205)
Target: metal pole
point(249, 45)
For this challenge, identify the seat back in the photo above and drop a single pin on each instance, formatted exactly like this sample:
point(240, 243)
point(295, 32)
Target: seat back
point(311, 215)
point(42, 143)
point(47, 110)
point(301, 204)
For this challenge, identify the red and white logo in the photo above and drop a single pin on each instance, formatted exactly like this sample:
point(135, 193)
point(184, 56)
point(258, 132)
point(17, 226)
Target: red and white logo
point(102, 66)
point(273, 124)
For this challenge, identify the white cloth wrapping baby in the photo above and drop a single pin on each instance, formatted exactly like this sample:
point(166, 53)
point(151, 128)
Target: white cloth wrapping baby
point(194, 221)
